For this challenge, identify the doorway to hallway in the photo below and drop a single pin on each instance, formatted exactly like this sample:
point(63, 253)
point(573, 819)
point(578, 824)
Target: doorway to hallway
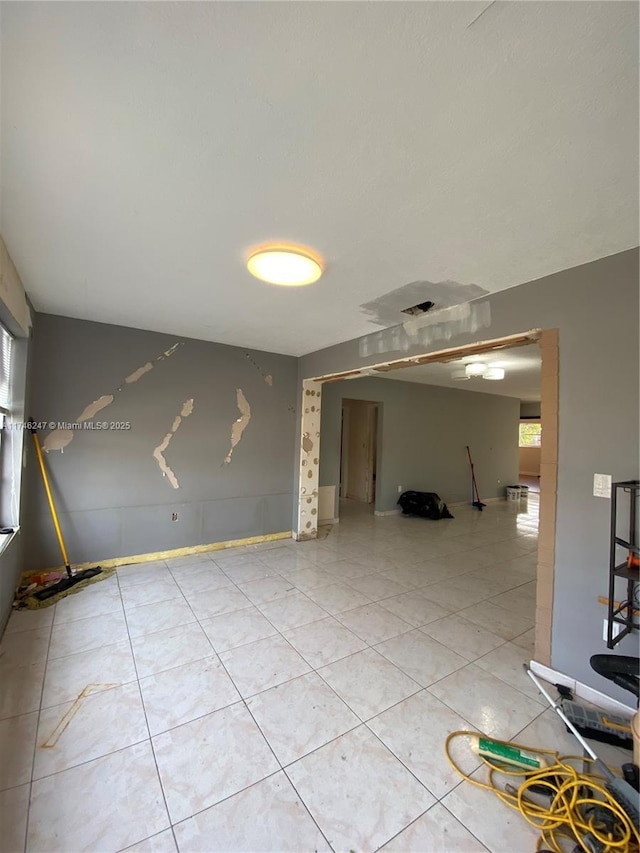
point(358, 450)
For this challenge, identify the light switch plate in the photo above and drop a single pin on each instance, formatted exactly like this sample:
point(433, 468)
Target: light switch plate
point(602, 485)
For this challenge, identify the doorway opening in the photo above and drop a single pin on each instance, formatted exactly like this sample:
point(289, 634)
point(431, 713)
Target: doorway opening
point(359, 451)
point(307, 521)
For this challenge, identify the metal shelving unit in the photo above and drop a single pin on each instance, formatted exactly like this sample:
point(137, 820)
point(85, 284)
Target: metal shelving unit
point(622, 613)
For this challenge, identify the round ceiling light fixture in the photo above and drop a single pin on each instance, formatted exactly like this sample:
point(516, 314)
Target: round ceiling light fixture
point(475, 368)
point(494, 373)
point(285, 265)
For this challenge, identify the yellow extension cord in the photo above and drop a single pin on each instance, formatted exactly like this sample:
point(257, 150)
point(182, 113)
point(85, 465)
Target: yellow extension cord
point(565, 817)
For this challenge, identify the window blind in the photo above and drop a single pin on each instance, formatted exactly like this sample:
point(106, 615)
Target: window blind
point(6, 342)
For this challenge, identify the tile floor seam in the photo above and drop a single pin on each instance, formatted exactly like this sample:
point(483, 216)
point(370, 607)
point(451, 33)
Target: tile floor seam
point(495, 648)
point(308, 810)
point(513, 686)
point(106, 690)
point(437, 799)
point(357, 552)
point(444, 806)
point(35, 744)
point(241, 791)
point(278, 634)
point(243, 644)
point(265, 604)
point(281, 767)
point(196, 621)
point(89, 761)
point(344, 701)
point(471, 725)
point(326, 743)
point(146, 720)
point(446, 648)
point(404, 828)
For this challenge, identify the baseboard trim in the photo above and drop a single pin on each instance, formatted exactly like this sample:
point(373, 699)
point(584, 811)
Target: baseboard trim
point(534, 474)
point(328, 521)
point(589, 694)
point(176, 552)
point(484, 501)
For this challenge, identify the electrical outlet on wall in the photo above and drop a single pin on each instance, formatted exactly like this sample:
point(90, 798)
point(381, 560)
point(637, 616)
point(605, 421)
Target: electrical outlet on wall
point(399, 490)
point(174, 516)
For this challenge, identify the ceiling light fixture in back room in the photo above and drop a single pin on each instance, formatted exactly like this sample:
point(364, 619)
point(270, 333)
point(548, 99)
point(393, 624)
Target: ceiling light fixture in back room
point(476, 368)
point(479, 370)
point(494, 373)
point(287, 265)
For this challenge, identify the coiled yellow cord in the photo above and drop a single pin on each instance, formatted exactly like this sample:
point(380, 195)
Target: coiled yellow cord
point(573, 797)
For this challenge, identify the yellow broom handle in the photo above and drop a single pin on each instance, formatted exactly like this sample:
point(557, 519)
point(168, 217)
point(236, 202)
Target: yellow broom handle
point(52, 506)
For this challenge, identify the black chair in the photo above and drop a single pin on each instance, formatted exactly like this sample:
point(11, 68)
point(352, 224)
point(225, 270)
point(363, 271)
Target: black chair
point(623, 670)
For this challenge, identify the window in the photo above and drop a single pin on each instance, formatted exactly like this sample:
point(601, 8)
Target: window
point(5, 369)
point(8, 496)
point(530, 434)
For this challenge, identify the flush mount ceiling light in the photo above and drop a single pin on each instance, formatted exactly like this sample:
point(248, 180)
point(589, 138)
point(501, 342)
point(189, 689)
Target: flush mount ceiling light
point(476, 368)
point(460, 375)
point(494, 373)
point(286, 265)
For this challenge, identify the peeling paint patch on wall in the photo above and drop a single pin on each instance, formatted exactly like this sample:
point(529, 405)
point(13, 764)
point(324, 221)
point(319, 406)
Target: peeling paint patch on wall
point(309, 446)
point(58, 439)
point(133, 377)
point(240, 424)
point(268, 378)
point(92, 409)
point(158, 453)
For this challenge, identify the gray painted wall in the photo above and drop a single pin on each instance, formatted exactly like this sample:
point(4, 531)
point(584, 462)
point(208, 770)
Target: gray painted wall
point(112, 498)
point(595, 308)
point(422, 434)
point(529, 410)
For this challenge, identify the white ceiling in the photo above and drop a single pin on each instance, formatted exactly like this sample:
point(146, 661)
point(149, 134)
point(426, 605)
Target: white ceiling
point(521, 380)
point(147, 146)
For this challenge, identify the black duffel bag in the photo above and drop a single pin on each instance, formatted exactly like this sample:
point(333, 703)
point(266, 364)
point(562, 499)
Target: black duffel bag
point(424, 504)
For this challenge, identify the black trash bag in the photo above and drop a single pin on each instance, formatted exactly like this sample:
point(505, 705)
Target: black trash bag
point(424, 504)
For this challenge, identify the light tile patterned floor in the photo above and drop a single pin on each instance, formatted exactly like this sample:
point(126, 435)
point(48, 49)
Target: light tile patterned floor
point(291, 697)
